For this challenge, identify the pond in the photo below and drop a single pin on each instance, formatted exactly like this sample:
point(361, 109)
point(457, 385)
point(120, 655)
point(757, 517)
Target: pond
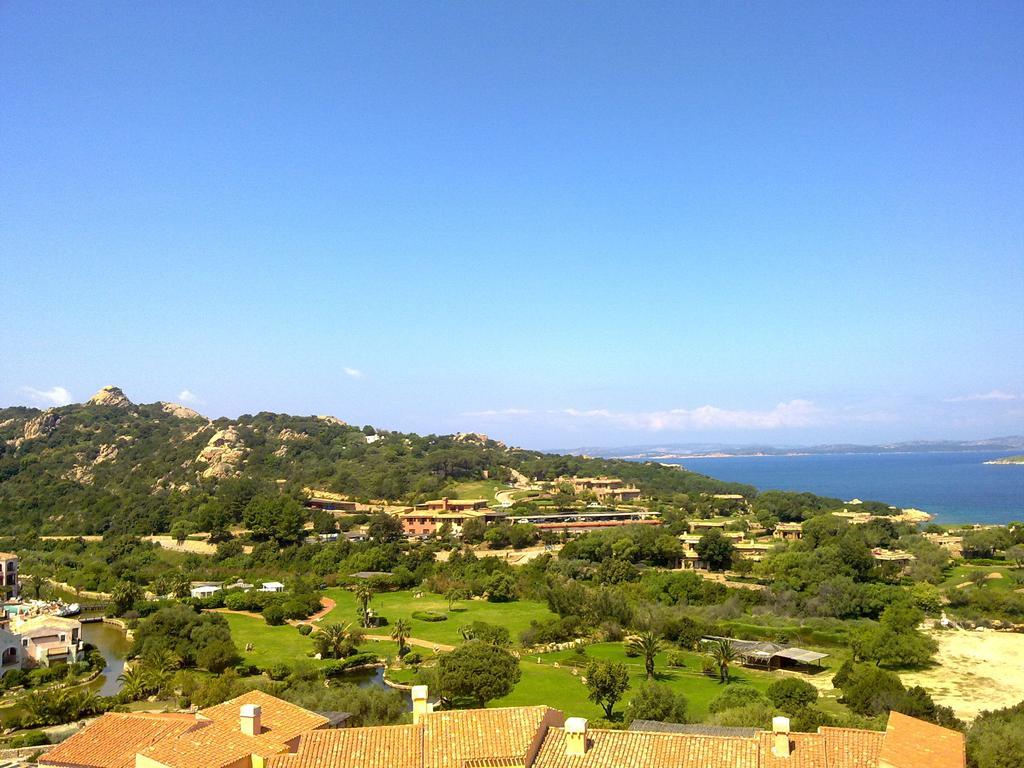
point(374, 678)
point(110, 641)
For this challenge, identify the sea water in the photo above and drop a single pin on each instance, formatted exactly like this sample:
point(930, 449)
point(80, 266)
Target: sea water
point(955, 487)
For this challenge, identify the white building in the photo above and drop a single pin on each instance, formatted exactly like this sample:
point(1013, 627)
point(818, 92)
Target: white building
point(204, 590)
point(272, 586)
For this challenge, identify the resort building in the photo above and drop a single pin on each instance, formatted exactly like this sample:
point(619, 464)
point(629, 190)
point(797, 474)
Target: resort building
point(204, 589)
point(9, 580)
point(752, 550)
point(897, 557)
point(604, 488)
point(789, 531)
point(257, 730)
point(703, 526)
point(10, 648)
point(426, 522)
point(452, 505)
point(952, 544)
point(272, 586)
point(49, 639)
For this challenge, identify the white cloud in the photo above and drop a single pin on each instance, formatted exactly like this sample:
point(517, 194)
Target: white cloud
point(996, 395)
point(187, 396)
point(52, 396)
point(795, 413)
point(353, 373)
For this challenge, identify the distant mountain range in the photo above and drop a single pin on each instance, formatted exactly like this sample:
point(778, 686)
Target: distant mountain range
point(699, 450)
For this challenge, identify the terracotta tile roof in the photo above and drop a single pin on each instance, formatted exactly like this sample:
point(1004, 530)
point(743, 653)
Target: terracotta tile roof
point(393, 746)
point(281, 719)
point(112, 740)
point(806, 750)
point(617, 749)
point(913, 743)
point(453, 737)
point(851, 748)
point(218, 741)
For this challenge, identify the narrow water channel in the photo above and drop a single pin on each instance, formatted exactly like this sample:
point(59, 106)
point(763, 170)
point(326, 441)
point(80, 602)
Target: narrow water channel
point(112, 643)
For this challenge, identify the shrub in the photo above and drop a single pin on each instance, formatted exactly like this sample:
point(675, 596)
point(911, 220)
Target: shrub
point(653, 701)
point(305, 629)
point(791, 694)
point(336, 668)
point(429, 616)
point(218, 656)
point(278, 671)
point(708, 666)
point(675, 659)
point(413, 658)
point(273, 614)
point(736, 696)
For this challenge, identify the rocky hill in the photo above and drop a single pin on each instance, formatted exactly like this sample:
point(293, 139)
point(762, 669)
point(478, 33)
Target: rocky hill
point(113, 465)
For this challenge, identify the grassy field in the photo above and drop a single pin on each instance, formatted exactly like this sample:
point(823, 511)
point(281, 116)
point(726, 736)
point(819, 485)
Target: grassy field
point(963, 574)
point(515, 616)
point(479, 489)
point(543, 683)
point(284, 644)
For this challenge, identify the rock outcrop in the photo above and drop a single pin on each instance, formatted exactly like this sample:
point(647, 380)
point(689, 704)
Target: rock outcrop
point(475, 438)
point(176, 409)
point(42, 425)
point(333, 420)
point(110, 395)
point(223, 454)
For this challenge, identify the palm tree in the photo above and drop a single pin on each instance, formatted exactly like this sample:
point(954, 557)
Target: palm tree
point(648, 645)
point(336, 640)
point(723, 652)
point(135, 682)
point(400, 632)
point(364, 594)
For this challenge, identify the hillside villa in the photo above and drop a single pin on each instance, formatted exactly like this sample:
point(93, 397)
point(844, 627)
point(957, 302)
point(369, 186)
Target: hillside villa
point(256, 730)
point(604, 488)
point(48, 639)
point(9, 580)
point(788, 531)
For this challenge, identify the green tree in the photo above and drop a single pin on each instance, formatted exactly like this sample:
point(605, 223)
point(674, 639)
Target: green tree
point(653, 701)
point(473, 531)
point(501, 588)
point(478, 672)
point(996, 739)
point(124, 597)
point(453, 595)
point(791, 694)
point(384, 528)
point(135, 683)
point(181, 531)
point(715, 550)
point(1015, 554)
point(607, 682)
point(648, 645)
point(723, 653)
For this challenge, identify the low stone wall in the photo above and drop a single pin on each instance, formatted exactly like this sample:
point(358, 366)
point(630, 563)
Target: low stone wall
point(13, 754)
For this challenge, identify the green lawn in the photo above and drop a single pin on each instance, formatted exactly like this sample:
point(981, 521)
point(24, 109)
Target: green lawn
point(284, 644)
point(964, 573)
point(557, 686)
point(479, 489)
point(515, 616)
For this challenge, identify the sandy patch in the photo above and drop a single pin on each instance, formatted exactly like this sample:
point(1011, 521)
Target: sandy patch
point(976, 670)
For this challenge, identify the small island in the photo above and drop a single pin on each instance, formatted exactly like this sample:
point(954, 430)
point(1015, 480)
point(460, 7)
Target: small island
point(1008, 460)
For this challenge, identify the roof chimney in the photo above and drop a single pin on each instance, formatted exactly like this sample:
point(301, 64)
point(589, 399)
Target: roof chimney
point(576, 736)
point(251, 716)
point(420, 705)
point(780, 740)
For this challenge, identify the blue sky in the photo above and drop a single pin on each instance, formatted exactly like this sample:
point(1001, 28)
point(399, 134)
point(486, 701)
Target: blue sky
point(560, 224)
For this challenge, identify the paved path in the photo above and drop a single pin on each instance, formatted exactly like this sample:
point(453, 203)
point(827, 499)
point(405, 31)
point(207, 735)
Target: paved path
point(414, 641)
